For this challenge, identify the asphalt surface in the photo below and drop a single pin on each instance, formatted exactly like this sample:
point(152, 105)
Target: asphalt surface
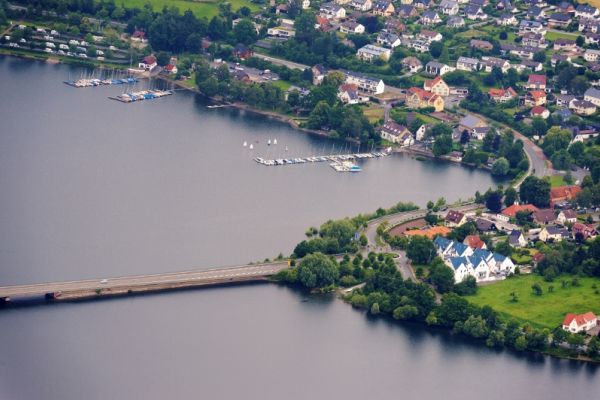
point(192, 278)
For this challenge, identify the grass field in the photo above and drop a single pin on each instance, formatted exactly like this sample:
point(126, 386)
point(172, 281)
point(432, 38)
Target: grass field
point(374, 113)
point(545, 311)
point(561, 35)
point(201, 8)
point(557, 180)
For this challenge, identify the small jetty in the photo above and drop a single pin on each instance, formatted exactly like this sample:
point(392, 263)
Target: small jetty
point(94, 82)
point(142, 95)
point(339, 162)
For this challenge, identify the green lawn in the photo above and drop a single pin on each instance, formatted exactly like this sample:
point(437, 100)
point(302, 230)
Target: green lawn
point(281, 84)
point(557, 180)
point(545, 311)
point(205, 8)
point(560, 35)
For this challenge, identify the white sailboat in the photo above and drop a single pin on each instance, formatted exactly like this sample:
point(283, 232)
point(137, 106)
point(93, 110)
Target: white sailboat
point(251, 146)
point(245, 143)
point(274, 141)
point(286, 148)
point(269, 142)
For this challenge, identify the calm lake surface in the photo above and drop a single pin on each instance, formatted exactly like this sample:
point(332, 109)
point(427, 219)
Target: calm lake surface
point(93, 188)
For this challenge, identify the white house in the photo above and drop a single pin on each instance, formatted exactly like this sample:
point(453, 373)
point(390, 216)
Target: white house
point(593, 96)
point(371, 52)
point(566, 217)
point(365, 83)
point(332, 11)
point(352, 27)
point(396, 133)
point(388, 39)
point(449, 7)
point(148, 63)
point(281, 31)
point(576, 323)
point(467, 64)
point(361, 5)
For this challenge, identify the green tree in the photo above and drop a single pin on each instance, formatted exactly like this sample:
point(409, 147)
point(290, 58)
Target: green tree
point(435, 49)
point(475, 326)
point(540, 57)
point(442, 145)
point(535, 191)
point(500, 167)
point(245, 32)
point(420, 250)
point(317, 270)
point(305, 26)
point(493, 201)
point(510, 196)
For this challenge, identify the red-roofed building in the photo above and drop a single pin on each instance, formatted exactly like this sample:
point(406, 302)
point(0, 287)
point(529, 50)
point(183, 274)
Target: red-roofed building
point(148, 63)
point(139, 36)
point(536, 82)
point(170, 69)
point(586, 231)
point(575, 323)
point(539, 111)
point(537, 257)
point(535, 98)
point(512, 211)
point(563, 193)
point(475, 242)
point(437, 86)
point(419, 98)
point(502, 95)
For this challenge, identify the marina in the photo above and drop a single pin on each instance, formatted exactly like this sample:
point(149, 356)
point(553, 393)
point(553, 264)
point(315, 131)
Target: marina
point(94, 82)
point(339, 162)
point(142, 95)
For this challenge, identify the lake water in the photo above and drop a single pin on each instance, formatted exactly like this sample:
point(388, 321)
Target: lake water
point(93, 188)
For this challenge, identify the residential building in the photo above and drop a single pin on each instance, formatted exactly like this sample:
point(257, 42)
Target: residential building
point(384, 8)
point(576, 323)
point(437, 68)
point(365, 83)
point(539, 112)
point(418, 98)
point(484, 225)
point(352, 27)
point(536, 82)
point(563, 193)
point(282, 32)
point(388, 39)
point(470, 122)
point(423, 4)
point(545, 216)
point(592, 38)
point(528, 64)
point(467, 64)
point(559, 20)
point(413, 64)
point(361, 5)
point(559, 58)
point(437, 86)
point(481, 44)
point(516, 239)
point(566, 217)
point(475, 12)
point(593, 96)
point(148, 63)
point(407, 11)
point(430, 18)
point(531, 26)
point(553, 233)
point(507, 20)
point(488, 63)
point(448, 7)
point(512, 211)
point(586, 11)
point(535, 98)
point(348, 94)
point(475, 242)
point(242, 52)
point(502, 95)
point(429, 36)
point(318, 72)
point(455, 218)
point(455, 22)
point(332, 11)
point(371, 52)
point(420, 45)
point(584, 231)
point(533, 40)
point(396, 133)
point(563, 100)
point(564, 44)
point(582, 107)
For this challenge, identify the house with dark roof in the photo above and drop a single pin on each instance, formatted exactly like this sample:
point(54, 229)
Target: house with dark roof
point(455, 22)
point(586, 11)
point(516, 239)
point(566, 217)
point(584, 231)
point(484, 225)
point(559, 20)
point(554, 233)
point(430, 18)
point(545, 216)
point(396, 133)
point(455, 218)
point(475, 12)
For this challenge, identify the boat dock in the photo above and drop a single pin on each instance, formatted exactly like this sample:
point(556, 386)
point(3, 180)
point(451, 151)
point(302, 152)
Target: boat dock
point(93, 82)
point(339, 162)
point(142, 95)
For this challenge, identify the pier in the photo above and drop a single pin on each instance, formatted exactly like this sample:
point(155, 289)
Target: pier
point(142, 95)
point(94, 82)
point(97, 288)
point(339, 162)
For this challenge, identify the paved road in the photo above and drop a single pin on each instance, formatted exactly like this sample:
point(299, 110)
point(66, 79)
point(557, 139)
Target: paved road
point(280, 61)
point(179, 279)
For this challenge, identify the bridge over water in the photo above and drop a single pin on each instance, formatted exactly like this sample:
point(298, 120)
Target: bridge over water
point(93, 288)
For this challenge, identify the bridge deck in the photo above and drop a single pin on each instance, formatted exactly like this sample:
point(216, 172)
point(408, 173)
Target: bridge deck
point(141, 283)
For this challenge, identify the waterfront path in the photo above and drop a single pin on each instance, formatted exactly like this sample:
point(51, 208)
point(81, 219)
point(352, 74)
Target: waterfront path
point(143, 283)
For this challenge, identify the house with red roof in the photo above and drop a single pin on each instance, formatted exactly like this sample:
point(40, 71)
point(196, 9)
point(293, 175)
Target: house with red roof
point(512, 211)
point(536, 82)
point(139, 36)
point(502, 95)
point(540, 112)
point(563, 193)
point(455, 218)
point(437, 86)
point(535, 98)
point(576, 323)
point(586, 231)
point(475, 242)
point(148, 63)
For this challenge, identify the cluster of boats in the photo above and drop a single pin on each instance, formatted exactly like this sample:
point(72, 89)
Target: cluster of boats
point(339, 162)
point(143, 95)
point(91, 82)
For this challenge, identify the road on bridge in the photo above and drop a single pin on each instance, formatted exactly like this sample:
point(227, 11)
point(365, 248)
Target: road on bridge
point(144, 283)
